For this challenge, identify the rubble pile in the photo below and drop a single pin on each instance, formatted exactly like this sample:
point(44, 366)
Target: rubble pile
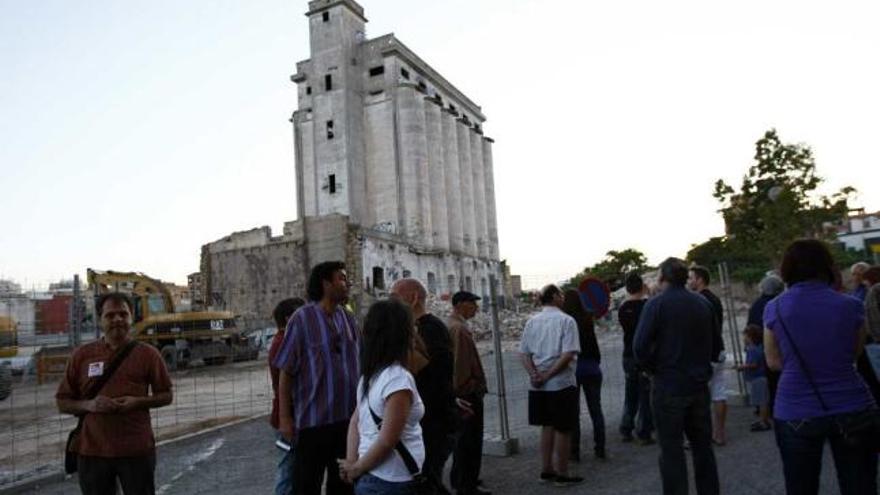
point(511, 320)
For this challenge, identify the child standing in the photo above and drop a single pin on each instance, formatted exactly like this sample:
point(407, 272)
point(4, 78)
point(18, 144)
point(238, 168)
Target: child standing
point(755, 376)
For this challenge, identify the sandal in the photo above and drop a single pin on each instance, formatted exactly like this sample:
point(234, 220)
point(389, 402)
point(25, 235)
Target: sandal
point(760, 426)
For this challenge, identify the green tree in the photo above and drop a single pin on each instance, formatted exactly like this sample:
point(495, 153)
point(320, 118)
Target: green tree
point(776, 203)
point(613, 268)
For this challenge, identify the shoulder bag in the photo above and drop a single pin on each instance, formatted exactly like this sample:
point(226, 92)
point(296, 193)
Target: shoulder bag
point(421, 485)
point(859, 429)
point(70, 454)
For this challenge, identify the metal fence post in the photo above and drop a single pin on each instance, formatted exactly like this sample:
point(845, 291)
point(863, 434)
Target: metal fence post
point(76, 326)
point(507, 445)
point(732, 326)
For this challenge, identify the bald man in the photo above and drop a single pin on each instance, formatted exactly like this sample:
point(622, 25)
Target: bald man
point(434, 381)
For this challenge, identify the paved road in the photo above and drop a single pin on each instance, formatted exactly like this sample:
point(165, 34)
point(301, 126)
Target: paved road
point(241, 459)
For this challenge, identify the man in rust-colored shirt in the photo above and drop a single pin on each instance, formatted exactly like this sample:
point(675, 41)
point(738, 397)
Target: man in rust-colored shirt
point(116, 441)
point(281, 313)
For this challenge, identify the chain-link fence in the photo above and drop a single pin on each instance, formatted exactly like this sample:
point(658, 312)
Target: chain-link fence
point(33, 432)
point(39, 328)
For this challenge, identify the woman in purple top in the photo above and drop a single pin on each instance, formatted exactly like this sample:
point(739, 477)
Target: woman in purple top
point(827, 330)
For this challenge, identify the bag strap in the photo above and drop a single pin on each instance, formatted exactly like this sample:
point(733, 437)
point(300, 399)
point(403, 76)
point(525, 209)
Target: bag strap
point(117, 360)
point(800, 358)
point(96, 387)
point(401, 449)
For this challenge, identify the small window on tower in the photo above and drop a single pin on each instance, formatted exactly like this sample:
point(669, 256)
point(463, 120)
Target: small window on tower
point(328, 82)
point(377, 71)
point(423, 87)
point(378, 277)
point(308, 90)
point(326, 16)
point(404, 73)
point(332, 180)
point(330, 129)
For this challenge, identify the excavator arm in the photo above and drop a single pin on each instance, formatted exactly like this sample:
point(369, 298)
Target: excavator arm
point(135, 284)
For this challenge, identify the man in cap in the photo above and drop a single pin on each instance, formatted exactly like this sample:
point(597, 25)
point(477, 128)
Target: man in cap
point(469, 383)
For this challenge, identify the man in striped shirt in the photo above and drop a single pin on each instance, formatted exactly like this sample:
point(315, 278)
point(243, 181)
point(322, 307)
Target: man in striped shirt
point(319, 357)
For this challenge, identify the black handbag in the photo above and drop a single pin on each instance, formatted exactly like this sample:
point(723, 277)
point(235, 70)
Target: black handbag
point(421, 484)
point(859, 429)
point(70, 454)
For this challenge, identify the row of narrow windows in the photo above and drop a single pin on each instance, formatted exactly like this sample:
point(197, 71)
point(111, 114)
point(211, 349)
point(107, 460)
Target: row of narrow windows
point(378, 281)
point(328, 86)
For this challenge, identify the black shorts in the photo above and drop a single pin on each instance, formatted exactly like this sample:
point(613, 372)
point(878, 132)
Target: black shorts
point(558, 408)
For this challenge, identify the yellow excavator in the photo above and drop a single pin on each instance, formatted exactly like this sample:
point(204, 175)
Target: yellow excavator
point(210, 336)
point(8, 337)
point(8, 349)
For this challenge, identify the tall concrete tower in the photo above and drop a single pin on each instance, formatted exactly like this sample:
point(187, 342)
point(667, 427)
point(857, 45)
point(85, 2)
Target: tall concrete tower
point(329, 123)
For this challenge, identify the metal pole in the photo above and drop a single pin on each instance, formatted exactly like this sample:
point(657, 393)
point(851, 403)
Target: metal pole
point(77, 312)
point(731, 322)
point(499, 361)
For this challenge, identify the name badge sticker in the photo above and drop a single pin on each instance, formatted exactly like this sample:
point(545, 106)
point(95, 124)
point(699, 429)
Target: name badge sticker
point(96, 369)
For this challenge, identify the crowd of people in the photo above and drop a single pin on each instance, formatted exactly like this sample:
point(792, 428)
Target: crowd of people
point(381, 406)
point(805, 371)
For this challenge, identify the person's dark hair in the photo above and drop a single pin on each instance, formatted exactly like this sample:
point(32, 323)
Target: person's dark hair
point(872, 275)
point(572, 306)
point(320, 273)
point(674, 271)
point(702, 273)
point(387, 335)
point(754, 333)
point(547, 294)
point(807, 259)
point(284, 309)
point(634, 283)
point(117, 297)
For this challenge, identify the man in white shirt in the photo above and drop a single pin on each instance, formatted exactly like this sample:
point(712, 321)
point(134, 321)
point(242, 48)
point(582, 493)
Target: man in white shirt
point(549, 350)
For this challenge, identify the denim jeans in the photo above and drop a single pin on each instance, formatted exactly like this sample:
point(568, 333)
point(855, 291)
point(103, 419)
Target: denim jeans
point(801, 443)
point(636, 402)
point(284, 473)
point(689, 416)
point(371, 485)
point(592, 387)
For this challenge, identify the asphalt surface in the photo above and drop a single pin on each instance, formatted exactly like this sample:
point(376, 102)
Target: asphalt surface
point(241, 459)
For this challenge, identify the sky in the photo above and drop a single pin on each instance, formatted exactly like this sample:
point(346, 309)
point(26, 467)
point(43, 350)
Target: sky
point(132, 133)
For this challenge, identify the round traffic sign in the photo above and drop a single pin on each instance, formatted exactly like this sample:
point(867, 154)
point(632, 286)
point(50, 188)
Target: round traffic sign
point(595, 296)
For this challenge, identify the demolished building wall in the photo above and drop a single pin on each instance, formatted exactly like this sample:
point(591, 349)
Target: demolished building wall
point(249, 272)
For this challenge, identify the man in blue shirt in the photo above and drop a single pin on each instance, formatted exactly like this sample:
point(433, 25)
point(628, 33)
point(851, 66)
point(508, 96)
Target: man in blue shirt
point(677, 338)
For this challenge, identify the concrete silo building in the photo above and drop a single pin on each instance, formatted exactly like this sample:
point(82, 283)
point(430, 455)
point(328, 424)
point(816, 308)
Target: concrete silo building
point(394, 175)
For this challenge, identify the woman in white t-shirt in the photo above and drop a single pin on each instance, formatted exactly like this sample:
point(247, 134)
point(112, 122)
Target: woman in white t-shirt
point(388, 390)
